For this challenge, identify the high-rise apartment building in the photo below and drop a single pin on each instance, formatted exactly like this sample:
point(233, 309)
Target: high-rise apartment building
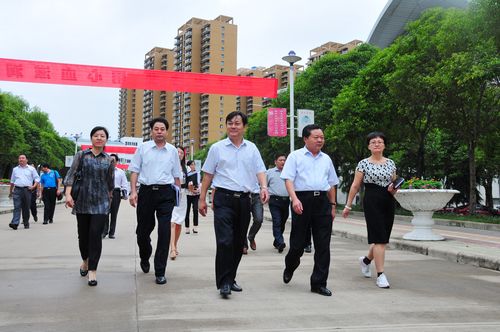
point(331, 47)
point(250, 104)
point(281, 73)
point(157, 103)
point(138, 107)
point(130, 114)
point(203, 46)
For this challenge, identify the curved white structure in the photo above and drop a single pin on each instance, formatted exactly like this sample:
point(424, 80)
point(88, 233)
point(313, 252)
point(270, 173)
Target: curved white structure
point(396, 15)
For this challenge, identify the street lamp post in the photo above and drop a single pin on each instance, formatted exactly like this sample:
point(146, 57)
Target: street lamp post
point(291, 58)
point(76, 137)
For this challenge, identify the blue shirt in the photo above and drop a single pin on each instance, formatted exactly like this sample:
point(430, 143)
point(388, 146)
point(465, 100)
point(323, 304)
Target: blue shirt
point(49, 180)
point(308, 172)
point(156, 165)
point(234, 168)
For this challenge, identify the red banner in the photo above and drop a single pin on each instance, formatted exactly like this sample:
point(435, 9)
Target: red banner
point(276, 122)
point(114, 77)
point(113, 149)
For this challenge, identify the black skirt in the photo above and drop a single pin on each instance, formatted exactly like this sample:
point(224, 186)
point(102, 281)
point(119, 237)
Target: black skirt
point(378, 205)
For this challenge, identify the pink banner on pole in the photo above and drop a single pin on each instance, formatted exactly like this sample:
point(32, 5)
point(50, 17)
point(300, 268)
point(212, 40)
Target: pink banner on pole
point(276, 122)
point(115, 77)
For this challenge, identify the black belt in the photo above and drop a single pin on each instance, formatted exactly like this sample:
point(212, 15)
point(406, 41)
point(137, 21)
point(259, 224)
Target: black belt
point(284, 198)
point(235, 194)
point(21, 187)
point(311, 193)
point(49, 188)
point(156, 186)
point(119, 189)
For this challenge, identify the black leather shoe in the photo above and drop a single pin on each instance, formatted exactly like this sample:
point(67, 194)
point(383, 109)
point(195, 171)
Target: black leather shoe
point(45, 222)
point(308, 249)
point(36, 218)
point(287, 276)
point(145, 266)
point(92, 283)
point(236, 288)
point(161, 280)
point(13, 226)
point(321, 291)
point(51, 221)
point(83, 272)
point(111, 236)
point(26, 226)
point(281, 247)
point(225, 291)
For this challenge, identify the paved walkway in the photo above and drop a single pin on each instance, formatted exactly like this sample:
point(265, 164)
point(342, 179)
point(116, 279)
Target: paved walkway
point(41, 290)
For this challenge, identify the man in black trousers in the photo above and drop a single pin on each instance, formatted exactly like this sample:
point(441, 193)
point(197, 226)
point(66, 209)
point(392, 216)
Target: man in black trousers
point(233, 164)
point(156, 166)
point(310, 180)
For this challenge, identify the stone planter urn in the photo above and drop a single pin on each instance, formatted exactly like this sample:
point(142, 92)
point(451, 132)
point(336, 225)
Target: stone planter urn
point(5, 201)
point(422, 203)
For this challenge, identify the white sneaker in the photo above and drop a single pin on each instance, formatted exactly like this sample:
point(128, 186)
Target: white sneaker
point(382, 281)
point(365, 269)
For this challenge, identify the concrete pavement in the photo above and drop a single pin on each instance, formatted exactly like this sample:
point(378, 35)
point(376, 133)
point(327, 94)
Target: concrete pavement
point(41, 290)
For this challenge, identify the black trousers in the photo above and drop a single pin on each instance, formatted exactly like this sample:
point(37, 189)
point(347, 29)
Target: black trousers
point(231, 220)
point(49, 203)
point(33, 203)
point(192, 201)
point(316, 216)
point(159, 200)
point(89, 237)
point(110, 224)
point(279, 208)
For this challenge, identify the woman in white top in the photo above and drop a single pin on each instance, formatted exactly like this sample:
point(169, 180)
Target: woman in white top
point(179, 212)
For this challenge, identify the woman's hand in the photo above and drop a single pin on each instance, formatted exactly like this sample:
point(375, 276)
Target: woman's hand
point(345, 212)
point(69, 201)
point(391, 189)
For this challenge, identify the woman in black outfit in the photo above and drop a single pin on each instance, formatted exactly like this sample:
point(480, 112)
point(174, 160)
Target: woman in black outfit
point(94, 199)
point(376, 173)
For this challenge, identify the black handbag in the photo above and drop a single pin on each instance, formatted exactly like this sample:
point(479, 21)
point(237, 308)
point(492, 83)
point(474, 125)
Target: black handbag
point(77, 180)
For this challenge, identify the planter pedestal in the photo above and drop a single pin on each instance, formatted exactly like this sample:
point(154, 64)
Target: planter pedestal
point(422, 203)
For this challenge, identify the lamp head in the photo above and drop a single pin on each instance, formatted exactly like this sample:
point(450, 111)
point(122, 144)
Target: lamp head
point(291, 58)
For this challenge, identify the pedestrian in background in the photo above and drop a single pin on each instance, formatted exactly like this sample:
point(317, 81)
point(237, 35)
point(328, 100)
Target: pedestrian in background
point(376, 174)
point(179, 212)
point(233, 164)
point(279, 201)
point(155, 166)
point(119, 193)
point(50, 182)
point(192, 195)
point(310, 180)
point(257, 211)
point(23, 181)
point(92, 205)
point(35, 194)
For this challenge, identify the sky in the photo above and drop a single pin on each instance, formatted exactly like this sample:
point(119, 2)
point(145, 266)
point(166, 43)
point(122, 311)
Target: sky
point(118, 33)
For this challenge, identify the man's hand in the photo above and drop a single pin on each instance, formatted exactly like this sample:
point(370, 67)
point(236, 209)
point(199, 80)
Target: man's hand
point(202, 207)
point(264, 195)
point(133, 199)
point(297, 206)
point(334, 211)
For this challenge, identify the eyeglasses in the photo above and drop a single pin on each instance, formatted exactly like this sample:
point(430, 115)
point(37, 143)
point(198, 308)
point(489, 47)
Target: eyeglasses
point(376, 142)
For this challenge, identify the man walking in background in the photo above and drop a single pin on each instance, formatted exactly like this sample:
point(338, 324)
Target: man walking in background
point(279, 202)
point(23, 181)
point(50, 182)
point(121, 187)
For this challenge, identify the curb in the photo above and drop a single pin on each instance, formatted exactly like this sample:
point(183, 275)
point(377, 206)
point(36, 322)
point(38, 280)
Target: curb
point(425, 248)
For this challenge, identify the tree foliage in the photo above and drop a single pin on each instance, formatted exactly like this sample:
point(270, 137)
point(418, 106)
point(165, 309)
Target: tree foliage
point(25, 130)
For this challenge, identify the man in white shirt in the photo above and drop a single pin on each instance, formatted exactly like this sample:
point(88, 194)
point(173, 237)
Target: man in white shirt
point(233, 164)
point(23, 181)
point(121, 186)
point(155, 166)
point(310, 180)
